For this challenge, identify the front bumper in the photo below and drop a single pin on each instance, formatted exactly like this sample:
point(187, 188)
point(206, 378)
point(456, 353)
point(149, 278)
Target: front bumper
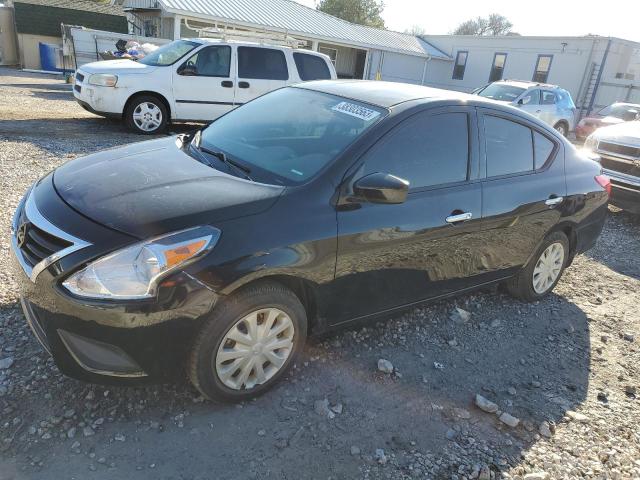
point(625, 191)
point(105, 341)
point(104, 101)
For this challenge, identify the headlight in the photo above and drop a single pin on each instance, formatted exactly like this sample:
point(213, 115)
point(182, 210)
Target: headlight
point(133, 272)
point(591, 143)
point(103, 79)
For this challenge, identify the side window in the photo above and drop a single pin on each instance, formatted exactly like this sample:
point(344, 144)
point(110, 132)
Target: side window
point(426, 150)
point(531, 98)
point(542, 148)
point(208, 62)
point(460, 65)
point(311, 67)
point(262, 63)
point(548, 98)
point(509, 147)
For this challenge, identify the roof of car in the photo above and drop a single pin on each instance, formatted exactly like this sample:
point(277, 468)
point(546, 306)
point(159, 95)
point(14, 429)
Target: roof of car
point(526, 83)
point(384, 94)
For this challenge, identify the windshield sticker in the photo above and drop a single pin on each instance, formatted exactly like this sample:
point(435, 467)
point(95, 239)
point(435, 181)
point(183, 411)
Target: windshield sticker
point(357, 111)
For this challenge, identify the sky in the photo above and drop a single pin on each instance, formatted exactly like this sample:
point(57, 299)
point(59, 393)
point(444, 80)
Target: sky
point(616, 18)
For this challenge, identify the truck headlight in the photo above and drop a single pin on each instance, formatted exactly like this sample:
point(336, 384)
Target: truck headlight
point(103, 79)
point(591, 143)
point(134, 272)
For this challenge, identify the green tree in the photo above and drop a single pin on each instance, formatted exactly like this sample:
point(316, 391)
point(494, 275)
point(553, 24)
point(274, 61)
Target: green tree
point(363, 12)
point(494, 24)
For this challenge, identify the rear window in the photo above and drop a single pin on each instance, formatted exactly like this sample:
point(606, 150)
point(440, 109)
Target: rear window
point(311, 67)
point(262, 63)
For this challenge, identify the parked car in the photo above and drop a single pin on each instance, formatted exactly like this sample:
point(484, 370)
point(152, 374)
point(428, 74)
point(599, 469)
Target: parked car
point(192, 80)
point(306, 209)
point(617, 147)
point(550, 103)
point(611, 115)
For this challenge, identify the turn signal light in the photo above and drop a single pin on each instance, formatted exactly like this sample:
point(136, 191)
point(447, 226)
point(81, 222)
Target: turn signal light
point(604, 182)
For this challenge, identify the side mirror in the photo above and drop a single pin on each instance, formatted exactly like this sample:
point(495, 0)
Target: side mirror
point(188, 70)
point(521, 102)
point(381, 188)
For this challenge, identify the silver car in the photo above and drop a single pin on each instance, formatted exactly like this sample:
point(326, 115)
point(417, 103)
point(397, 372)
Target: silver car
point(550, 103)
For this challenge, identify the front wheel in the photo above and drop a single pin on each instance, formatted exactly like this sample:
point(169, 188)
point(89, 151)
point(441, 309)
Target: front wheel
point(539, 277)
point(250, 341)
point(146, 114)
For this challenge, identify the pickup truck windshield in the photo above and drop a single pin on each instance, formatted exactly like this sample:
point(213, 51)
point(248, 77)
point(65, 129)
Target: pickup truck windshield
point(169, 53)
point(289, 135)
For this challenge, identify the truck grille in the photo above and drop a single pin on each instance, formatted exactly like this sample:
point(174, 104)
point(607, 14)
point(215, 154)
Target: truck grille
point(616, 149)
point(621, 166)
point(79, 77)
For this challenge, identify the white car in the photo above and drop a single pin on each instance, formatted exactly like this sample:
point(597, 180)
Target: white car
point(192, 80)
point(550, 103)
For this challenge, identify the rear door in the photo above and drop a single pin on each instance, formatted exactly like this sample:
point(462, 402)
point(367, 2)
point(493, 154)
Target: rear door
point(203, 86)
point(260, 70)
point(523, 192)
point(393, 255)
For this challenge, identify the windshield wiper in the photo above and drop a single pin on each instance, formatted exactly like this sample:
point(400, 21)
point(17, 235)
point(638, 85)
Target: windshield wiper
point(239, 169)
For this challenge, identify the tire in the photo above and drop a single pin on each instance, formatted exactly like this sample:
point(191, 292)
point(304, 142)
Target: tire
point(523, 285)
point(232, 317)
point(561, 128)
point(146, 114)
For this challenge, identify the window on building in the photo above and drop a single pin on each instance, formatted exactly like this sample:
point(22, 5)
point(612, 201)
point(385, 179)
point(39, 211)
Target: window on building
point(311, 67)
point(497, 69)
point(426, 150)
point(460, 65)
point(509, 147)
point(262, 63)
point(543, 65)
point(332, 53)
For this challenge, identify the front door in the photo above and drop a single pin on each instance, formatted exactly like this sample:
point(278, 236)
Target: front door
point(523, 192)
point(394, 255)
point(203, 85)
point(548, 107)
point(530, 102)
point(260, 70)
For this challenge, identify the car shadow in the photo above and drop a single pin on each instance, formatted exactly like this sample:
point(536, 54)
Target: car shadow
point(532, 360)
point(620, 249)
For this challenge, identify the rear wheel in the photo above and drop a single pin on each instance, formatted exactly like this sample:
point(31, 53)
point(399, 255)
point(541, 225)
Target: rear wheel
point(562, 128)
point(146, 114)
point(539, 277)
point(249, 342)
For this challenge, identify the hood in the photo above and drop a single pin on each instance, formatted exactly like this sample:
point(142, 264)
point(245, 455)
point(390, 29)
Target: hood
point(625, 132)
point(154, 187)
point(117, 66)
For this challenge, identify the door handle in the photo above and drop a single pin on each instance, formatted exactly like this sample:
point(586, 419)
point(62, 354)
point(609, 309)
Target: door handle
point(459, 217)
point(553, 200)
point(227, 83)
point(538, 111)
point(243, 84)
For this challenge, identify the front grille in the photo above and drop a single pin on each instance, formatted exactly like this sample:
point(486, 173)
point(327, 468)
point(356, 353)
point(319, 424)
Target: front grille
point(39, 245)
point(628, 186)
point(622, 166)
point(616, 149)
point(77, 88)
point(79, 77)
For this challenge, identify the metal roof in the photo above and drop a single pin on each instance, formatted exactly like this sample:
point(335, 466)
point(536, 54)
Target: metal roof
point(296, 19)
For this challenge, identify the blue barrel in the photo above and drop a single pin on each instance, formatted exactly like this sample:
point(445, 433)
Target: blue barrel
point(49, 56)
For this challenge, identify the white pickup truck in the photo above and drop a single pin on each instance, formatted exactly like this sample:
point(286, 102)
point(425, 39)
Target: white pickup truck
point(192, 80)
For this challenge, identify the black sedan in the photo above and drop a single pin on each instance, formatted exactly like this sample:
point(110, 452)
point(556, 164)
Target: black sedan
point(308, 208)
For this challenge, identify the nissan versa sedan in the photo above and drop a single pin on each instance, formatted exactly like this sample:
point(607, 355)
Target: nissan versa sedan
point(308, 208)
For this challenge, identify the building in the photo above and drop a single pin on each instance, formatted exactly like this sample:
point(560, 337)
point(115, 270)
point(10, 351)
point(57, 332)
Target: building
point(597, 71)
point(357, 51)
point(35, 22)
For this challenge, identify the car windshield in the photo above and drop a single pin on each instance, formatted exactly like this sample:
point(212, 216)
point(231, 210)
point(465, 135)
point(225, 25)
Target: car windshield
point(289, 135)
point(501, 92)
point(169, 53)
point(623, 112)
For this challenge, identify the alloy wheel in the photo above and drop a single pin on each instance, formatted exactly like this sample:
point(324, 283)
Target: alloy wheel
point(254, 349)
point(561, 129)
point(548, 268)
point(147, 116)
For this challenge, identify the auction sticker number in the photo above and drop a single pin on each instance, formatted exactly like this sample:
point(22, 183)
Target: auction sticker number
point(357, 111)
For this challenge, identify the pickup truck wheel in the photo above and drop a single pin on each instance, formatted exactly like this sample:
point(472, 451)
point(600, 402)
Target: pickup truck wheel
point(248, 343)
point(146, 114)
point(540, 276)
point(562, 128)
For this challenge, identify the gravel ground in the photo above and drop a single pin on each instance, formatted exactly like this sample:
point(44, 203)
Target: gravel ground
point(498, 389)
